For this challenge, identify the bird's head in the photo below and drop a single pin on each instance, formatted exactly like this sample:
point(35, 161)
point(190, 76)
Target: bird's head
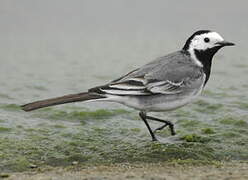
point(204, 44)
point(204, 39)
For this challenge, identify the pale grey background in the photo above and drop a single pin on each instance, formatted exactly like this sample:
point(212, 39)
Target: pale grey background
point(53, 47)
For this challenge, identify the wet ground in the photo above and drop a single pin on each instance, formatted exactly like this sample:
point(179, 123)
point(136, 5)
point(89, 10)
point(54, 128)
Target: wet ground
point(38, 62)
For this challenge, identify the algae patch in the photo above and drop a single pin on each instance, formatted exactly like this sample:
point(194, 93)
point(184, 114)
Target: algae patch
point(78, 115)
point(4, 129)
point(234, 120)
point(208, 131)
point(205, 107)
point(10, 107)
point(195, 138)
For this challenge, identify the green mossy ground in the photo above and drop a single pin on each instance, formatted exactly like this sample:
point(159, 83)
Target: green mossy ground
point(103, 137)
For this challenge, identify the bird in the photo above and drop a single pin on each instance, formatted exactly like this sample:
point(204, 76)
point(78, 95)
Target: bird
point(166, 83)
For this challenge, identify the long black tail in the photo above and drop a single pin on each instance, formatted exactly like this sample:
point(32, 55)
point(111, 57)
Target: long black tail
point(60, 100)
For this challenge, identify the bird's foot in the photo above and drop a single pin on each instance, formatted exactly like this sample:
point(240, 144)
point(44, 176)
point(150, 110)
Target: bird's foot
point(167, 123)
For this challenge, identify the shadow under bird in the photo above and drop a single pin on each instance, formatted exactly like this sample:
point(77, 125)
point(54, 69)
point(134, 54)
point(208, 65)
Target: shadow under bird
point(167, 83)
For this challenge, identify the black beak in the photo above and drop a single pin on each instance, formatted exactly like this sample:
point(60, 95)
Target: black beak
point(225, 43)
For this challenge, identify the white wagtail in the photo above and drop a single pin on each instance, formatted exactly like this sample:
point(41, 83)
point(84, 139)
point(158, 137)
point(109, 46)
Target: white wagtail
point(167, 83)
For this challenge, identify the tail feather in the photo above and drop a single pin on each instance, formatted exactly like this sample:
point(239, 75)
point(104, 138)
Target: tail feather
point(60, 100)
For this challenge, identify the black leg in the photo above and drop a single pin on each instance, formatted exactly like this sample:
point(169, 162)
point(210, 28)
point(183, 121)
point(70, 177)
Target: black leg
point(167, 123)
point(143, 117)
point(160, 128)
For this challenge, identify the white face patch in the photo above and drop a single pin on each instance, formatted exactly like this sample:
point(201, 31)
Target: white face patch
point(203, 42)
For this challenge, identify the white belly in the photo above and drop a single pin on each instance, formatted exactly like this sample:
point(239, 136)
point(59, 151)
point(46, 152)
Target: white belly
point(159, 102)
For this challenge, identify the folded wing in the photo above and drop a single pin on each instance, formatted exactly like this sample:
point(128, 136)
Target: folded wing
point(155, 78)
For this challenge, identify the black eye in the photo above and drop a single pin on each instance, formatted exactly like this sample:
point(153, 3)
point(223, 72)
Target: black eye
point(206, 40)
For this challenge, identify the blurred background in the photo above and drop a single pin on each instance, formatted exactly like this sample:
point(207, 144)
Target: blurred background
point(51, 48)
point(68, 46)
